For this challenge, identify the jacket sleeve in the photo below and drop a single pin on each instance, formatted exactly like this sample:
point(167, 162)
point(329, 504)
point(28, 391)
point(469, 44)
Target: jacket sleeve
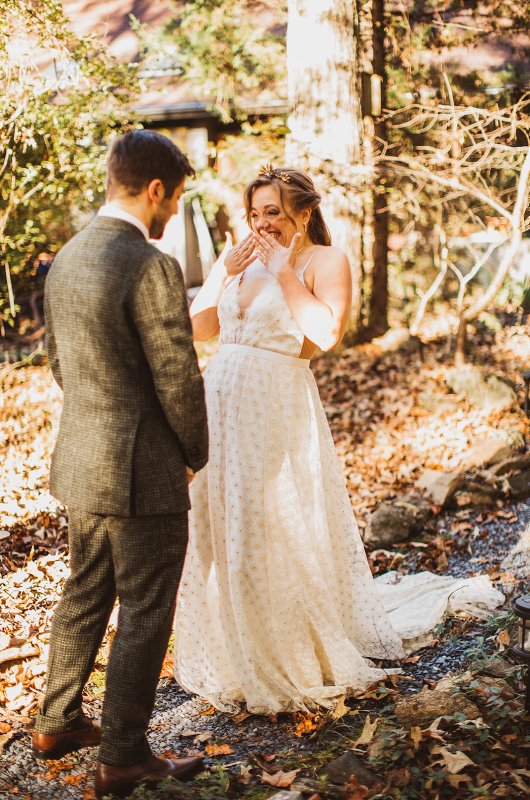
point(159, 309)
point(50, 341)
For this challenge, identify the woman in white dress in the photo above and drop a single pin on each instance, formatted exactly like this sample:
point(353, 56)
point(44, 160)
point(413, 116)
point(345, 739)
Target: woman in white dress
point(277, 607)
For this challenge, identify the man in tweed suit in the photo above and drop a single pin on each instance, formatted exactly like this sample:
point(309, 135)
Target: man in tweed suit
point(133, 430)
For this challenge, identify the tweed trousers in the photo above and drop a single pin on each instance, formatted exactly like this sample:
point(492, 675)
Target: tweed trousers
point(137, 560)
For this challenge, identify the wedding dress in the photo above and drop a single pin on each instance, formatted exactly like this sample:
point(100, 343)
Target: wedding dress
point(277, 608)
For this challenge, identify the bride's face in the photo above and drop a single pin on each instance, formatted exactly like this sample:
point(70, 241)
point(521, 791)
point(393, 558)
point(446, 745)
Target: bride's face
point(268, 214)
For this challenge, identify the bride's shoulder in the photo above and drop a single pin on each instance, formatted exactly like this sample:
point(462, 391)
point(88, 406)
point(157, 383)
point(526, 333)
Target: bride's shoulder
point(326, 256)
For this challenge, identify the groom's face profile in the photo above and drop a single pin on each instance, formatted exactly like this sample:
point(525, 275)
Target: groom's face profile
point(165, 208)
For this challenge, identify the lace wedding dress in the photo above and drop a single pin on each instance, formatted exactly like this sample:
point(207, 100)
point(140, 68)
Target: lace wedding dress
point(277, 607)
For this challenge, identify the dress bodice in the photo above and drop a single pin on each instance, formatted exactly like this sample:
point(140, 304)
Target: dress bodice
point(266, 323)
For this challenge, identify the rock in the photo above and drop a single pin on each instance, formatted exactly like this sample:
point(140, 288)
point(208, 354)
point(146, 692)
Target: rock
point(439, 486)
point(486, 391)
point(395, 521)
point(479, 495)
point(487, 451)
point(497, 667)
point(424, 707)
point(309, 786)
point(286, 795)
point(514, 463)
point(340, 770)
point(520, 485)
point(518, 559)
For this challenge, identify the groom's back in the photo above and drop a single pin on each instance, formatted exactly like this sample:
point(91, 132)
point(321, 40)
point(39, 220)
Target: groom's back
point(127, 458)
point(88, 292)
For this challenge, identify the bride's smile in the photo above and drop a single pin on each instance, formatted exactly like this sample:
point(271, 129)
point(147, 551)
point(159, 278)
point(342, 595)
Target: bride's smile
point(269, 214)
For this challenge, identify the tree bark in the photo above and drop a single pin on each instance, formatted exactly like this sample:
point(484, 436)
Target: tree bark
point(377, 322)
point(325, 119)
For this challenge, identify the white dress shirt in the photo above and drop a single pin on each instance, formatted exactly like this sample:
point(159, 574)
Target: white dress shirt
point(113, 210)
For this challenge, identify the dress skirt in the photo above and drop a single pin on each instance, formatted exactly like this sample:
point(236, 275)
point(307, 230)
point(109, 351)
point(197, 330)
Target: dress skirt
point(277, 608)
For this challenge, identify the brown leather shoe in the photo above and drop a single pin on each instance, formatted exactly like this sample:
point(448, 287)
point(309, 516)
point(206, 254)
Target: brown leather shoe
point(121, 781)
point(57, 745)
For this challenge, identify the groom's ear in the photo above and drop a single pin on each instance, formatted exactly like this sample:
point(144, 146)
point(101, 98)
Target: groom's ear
point(156, 191)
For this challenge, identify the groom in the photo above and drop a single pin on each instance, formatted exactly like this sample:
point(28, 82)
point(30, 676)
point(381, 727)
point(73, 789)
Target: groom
point(133, 430)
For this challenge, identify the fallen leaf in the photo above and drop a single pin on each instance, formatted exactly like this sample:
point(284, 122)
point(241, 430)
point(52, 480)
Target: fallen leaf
point(306, 725)
point(416, 736)
point(5, 738)
point(240, 717)
point(503, 639)
point(354, 790)
point(218, 749)
point(245, 774)
point(453, 762)
point(268, 757)
point(340, 709)
point(368, 732)
point(280, 779)
point(208, 711)
point(203, 737)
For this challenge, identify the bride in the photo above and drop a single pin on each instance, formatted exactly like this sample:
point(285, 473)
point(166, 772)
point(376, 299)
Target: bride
point(277, 607)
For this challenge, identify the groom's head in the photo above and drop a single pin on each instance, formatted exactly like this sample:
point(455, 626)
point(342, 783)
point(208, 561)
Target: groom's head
point(147, 170)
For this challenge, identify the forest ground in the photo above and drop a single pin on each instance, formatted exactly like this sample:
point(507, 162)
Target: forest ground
point(391, 416)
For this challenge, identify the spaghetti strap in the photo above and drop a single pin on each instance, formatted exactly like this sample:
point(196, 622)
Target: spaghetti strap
point(307, 263)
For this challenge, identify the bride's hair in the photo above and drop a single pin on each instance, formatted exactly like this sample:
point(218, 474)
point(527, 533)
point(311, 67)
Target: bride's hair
point(297, 192)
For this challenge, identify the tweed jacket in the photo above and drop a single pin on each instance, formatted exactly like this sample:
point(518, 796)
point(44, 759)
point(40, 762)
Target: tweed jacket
point(120, 346)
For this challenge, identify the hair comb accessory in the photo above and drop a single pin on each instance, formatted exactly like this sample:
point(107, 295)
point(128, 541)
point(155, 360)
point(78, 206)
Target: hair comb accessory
point(268, 171)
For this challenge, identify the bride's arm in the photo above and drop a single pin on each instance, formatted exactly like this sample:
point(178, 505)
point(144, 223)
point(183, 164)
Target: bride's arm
point(203, 310)
point(322, 312)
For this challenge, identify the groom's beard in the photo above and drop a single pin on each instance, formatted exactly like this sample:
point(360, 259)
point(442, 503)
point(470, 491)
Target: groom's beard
point(161, 218)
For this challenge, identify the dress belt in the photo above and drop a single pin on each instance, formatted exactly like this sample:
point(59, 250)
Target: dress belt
point(268, 355)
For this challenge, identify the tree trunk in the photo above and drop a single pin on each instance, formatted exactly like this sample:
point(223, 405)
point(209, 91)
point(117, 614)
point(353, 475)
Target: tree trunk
point(378, 302)
point(375, 222)
point(325, 119)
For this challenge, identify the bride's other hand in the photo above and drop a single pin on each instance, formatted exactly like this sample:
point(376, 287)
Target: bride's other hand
point(239, 257)
point(278, 259)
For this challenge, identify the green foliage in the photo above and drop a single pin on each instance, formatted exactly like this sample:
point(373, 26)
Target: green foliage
point(225, 54)
point(62, 95)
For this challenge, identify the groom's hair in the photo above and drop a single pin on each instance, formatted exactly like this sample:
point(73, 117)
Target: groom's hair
point(139, 157)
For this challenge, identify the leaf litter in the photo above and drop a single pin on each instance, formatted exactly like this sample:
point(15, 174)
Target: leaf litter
point(384, 435)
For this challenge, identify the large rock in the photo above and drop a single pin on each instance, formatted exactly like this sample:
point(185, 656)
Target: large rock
point(424, 707)
point(477, 494)
point(520, 485)
point(486, 391)
point(485, 452)
point(439, 486)
point(514, 463)
point(340, 770)
point(518, 559)
point(396, 521)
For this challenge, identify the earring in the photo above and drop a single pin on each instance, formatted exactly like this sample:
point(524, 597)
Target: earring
point(305, 227)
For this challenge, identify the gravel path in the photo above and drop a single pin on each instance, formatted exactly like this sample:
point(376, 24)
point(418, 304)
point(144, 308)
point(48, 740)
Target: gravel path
point(180, 725)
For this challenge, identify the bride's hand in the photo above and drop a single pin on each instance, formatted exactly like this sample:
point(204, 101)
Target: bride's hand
point(274, 256)
point(239, 257)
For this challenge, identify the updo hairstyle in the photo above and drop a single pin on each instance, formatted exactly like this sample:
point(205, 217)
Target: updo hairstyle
point(297, 192)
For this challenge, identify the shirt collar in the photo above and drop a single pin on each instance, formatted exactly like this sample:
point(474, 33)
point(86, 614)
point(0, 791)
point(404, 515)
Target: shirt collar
point(114, 211)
